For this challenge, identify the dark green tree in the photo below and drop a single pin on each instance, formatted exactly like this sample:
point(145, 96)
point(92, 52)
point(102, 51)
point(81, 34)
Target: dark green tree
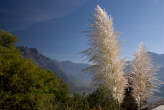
point(23, 85)
point(101, 98)
point(129, 103)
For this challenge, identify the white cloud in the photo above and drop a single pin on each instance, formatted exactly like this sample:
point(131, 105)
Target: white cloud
point(23, 13)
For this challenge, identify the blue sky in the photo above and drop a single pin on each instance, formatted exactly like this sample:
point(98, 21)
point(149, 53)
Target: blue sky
point(55, 27)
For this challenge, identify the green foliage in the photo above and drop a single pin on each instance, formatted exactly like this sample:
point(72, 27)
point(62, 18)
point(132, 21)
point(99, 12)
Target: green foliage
point(97, 100)
point(129, 102)
point(102, 98)
point(25, 86)
point(80, 102)
point(7, 39)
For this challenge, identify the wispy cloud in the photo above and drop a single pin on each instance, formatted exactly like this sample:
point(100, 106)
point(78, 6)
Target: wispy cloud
point(23, 13)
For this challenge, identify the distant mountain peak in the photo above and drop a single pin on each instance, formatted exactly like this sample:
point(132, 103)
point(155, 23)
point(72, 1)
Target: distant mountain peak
point(157, 59)
point(26, 49)
point(70, 72)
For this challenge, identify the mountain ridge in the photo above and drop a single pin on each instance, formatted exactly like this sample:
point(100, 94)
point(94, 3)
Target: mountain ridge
point(69, 71)
point(72, 72)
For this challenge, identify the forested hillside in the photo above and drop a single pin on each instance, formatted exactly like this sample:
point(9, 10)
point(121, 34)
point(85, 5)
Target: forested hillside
point(25, 86)
point(79, 81)
point(32, 81)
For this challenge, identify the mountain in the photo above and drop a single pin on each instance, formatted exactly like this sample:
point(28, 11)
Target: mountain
point(71, 73)
point(77, 71)
point(43, 61)
point(158, 60)
point(74, 71)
